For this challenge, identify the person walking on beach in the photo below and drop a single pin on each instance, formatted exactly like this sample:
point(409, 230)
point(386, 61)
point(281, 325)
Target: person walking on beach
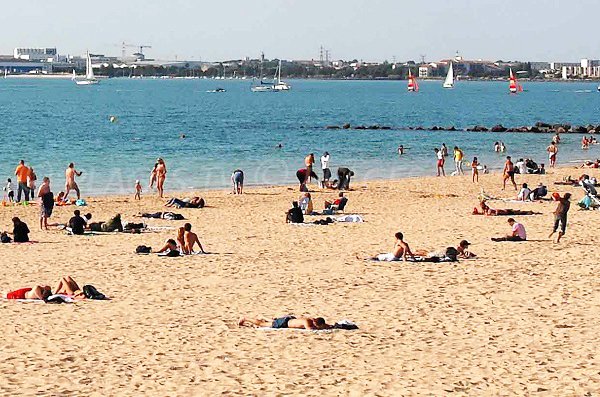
point(325, 167)
point(508, 173)
point(22, 173)
point(46, 202)
point(560, 216)
point(70, 183)
point(458, 159)
point(138, 190)
point(161, 175)
point(440, 162)
point(444, 150)
point(552, 152)
point(475, 170)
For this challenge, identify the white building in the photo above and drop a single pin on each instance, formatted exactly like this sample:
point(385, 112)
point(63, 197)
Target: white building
point(36, 54)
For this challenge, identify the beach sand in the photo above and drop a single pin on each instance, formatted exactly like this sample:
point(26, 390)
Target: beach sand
point(522, 319)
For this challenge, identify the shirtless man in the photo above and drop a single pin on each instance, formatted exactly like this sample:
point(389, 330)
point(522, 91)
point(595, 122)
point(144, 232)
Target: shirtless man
point(45, 210)
point(552, 152)
point(401, 250)
point(70, 183)
point(39, 292)
point(190, 239)
point(161, 175)
point(287, 322)
point(508, 173)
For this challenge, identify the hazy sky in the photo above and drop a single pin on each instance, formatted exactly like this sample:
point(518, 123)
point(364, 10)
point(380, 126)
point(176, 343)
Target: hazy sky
point(293, 29)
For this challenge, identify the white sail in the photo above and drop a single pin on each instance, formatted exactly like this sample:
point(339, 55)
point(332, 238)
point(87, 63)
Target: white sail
point(280, 85)
point(449, 82)
point(89, 71)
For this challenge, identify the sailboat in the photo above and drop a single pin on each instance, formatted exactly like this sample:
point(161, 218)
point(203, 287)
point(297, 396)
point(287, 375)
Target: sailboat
point(413, 86)
point(449, 82)
point(262, 86)
point(5, 72)
point(89, 73)
point(513, 84)
point(278, 84)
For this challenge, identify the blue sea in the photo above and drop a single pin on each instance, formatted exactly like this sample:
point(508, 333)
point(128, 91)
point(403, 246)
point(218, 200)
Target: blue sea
point(50, 123)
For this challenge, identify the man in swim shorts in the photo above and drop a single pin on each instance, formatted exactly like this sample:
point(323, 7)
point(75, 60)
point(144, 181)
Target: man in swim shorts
point(401, 251)
point(288, 322)
point(552, 152)
point(508, 173)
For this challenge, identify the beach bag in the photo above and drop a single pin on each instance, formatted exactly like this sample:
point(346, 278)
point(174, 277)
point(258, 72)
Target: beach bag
point(80, 203)
point(90, 292)
point(143, 249)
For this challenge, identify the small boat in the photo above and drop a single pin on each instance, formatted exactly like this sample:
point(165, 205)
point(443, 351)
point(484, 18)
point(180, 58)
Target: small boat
point(278, 84)
point(217, 90)
point(599, 88)
point(513, 84)
point(413, 86)
point(89, 79)
point(449, 82)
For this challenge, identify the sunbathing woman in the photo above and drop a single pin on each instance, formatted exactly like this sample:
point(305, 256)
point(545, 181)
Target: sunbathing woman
point(68, 286)
point(39, 292)
point(485, 210)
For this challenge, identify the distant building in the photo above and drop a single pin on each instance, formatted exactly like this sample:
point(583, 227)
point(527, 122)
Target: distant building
point(538, 66)
point(36, 54)
point(426, 71)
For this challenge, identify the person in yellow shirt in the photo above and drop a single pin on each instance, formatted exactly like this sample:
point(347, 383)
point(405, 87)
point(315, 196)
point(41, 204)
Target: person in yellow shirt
point(22, 173)
point(458, 159)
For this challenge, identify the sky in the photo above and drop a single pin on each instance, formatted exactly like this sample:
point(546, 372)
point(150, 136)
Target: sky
point(375, 30)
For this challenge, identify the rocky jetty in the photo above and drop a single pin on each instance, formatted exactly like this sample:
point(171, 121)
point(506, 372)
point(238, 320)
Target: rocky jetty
point(539, 127)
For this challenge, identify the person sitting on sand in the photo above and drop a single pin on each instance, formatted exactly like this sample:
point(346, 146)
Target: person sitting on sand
point(170, 248)
point(190, 240)
point(333, 185)
point(306, 204)
point(20, 231)
point(524, 193)
point(401, 251)
point(77, 223)
point(39, 292)
point(294, 214)
point(310, 323)
point(463, 250)
point(518, 232)
point(485, 210)
point(539, 192)
point(194, 202)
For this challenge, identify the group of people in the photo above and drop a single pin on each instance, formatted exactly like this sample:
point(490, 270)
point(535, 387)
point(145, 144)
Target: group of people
point(306, 174)
point(184, 244)
point(26, 178)
point(66, 287)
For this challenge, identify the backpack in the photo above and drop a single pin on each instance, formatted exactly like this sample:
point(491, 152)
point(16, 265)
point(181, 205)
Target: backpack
point(143, 249)
point(91, 292)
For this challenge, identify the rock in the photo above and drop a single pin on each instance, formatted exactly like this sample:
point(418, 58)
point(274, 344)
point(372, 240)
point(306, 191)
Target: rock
point(332, 127)
point(498, 128)
point(346, 126)
point(385, 127)
point(560, 130)
point(373, 127)
point(580, 129)
point(360, 127)
point(451, 128)
point(419, 128)
point(533, 129)
point(434, 128)
point(590, 128)
point(541, 125)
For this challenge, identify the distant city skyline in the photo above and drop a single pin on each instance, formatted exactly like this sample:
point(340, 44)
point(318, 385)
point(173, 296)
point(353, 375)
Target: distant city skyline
point(373, 30)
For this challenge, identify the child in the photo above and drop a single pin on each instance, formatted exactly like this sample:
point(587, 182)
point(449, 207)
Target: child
point(474, 170)
point(10, 193)
point(138, 190)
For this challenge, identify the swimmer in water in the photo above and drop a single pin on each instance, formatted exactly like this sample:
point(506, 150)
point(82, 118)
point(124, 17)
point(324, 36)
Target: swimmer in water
point(401, 149)
point(182, 136)
point(279, 146)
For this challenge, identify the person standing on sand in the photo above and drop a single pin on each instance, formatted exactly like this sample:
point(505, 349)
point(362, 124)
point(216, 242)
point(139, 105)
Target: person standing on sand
point(475, 170)
point(22, 172)
point(46, 202)
point(325, 167)
point(309, 161)
point(161, 175)
point(552, 152)
point(560, 216)
point(508, 173)
point(458, 159)
point(444, 150)
point(32, 177)
point(440, 162)
point(70, 183)
point(153, 176)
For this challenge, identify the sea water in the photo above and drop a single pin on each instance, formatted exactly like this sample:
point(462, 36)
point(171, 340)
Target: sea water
point(50, 123)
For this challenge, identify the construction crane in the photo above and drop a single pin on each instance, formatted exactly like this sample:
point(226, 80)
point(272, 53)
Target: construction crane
point(140, 46)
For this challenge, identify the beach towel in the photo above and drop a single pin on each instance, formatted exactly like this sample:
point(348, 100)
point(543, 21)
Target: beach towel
point(350, 219)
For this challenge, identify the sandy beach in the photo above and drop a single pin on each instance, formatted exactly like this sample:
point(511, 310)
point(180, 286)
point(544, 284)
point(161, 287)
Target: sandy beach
point(522, 319)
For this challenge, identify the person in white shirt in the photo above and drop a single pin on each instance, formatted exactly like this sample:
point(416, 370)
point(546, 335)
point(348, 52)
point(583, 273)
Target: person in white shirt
point(440, 162)
point(10, 192)
point(521, 166)
point(518, 232)
point(325, 167)
point(524, 193)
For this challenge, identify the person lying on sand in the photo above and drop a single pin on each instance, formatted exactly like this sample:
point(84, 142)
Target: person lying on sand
point(194, 202)
point(287, 322)
point(39, 292)
point(463, 250)
point(401, 251)
point(518, 232)
point(68, 286)
point(485, 210)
